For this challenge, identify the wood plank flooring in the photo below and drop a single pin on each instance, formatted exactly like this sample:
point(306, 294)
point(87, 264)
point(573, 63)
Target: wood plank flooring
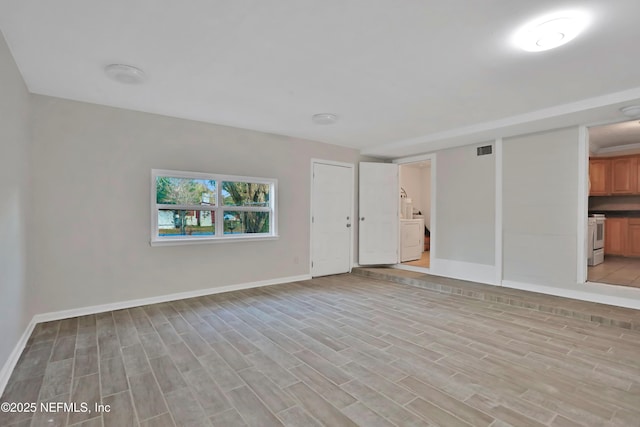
point(595, 312)
point(336, 351)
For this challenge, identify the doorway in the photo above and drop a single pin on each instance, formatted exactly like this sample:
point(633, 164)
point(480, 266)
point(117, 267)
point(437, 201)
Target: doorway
point(415, 214)
point(332, 187)
point(614, 200)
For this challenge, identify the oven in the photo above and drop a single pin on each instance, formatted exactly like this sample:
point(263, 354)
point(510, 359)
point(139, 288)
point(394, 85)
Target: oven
point(595, 254)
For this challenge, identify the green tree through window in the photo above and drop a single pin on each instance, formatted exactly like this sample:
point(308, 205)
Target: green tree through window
point(185, 191)
point(248, 194)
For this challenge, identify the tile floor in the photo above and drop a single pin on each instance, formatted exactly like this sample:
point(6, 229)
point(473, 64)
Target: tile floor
point(335, 351)
point(616, 270)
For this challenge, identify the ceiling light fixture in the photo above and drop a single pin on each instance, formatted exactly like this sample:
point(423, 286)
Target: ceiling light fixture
point(126, 74)
point(324, 118)
point(550, 31)
point(631, 110)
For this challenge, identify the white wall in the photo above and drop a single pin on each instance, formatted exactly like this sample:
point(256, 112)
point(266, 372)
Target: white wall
point(465, 206)
point(91, 180)
point(14, 178)
point(410, 181)
point(540, 208)
point(416, 181)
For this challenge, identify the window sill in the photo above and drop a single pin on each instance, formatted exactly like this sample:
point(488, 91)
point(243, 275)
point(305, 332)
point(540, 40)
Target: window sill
point(201, 241)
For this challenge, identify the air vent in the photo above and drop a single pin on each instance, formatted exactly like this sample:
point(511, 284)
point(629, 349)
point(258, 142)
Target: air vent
point(483, 151)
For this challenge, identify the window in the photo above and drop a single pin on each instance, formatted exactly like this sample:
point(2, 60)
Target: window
point(190, 207)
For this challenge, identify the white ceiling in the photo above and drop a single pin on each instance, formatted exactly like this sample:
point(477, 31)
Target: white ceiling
point(615, 137)
point(403, 76)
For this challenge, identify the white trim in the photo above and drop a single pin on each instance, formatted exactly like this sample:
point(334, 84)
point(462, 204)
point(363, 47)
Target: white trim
point(12, 361)
point(583, 295)
point(432, 222)
point(218, 208)
point(176, 241)
point(498, 213)
point(431, 158)
point(354, 221)
point(413, 159)
point(83, 311)
point(608, 121)
point(213, 207)
point(398, 210)
point(212, 176)
point(332, 163)
point(480, 273)
point(583, 203)
point(154, 199)
point(619, 148)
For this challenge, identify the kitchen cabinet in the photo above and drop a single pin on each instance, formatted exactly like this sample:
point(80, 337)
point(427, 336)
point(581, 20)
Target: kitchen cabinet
point(615, 236)
point(638, 174)
point(599, 173)
point(633, 238)
point(624, 175)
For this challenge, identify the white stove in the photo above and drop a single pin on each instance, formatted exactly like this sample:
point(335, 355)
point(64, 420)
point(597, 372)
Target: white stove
point(596, 239)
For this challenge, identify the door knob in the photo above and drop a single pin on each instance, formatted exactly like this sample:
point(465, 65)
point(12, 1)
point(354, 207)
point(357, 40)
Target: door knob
point(348, 225)
point(362, 219)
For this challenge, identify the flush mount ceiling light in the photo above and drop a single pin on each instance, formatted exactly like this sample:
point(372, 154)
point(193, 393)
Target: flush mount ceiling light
point(551, 31)
point(631, 110)
point(324, 118)
point(125, 74)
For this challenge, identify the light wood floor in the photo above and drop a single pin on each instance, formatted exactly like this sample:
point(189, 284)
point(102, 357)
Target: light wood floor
point(424, 261)
point(616, 271)
point(335, 351)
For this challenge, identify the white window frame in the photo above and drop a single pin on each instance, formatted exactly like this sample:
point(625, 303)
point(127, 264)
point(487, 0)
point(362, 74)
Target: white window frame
point(219, 208)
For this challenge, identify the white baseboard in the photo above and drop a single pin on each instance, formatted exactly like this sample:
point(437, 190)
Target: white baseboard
point(83, 311)
point(480, 273)
point(584, 295)
point(11, 362)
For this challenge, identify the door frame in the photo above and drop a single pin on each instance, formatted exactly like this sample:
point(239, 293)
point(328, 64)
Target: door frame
point(584, 151)
point(433, 229)
point(351, 166)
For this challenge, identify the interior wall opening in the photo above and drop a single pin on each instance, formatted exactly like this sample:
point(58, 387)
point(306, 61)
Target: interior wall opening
point(613, 237)
point(415, 214)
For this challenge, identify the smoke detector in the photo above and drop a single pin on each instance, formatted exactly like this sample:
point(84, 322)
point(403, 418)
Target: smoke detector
point(631, 110)
point(126, 74)
point(324, 118)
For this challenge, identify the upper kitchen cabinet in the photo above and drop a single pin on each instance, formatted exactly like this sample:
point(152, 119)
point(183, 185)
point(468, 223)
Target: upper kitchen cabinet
point(624, 175)
point(599, 173)
point(637, 168)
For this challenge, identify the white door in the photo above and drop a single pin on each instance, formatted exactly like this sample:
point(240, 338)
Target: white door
point(379, 214)
point(331, 219)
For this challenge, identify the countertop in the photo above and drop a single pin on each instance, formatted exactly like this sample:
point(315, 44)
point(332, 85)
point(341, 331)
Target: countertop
point(617, 213)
